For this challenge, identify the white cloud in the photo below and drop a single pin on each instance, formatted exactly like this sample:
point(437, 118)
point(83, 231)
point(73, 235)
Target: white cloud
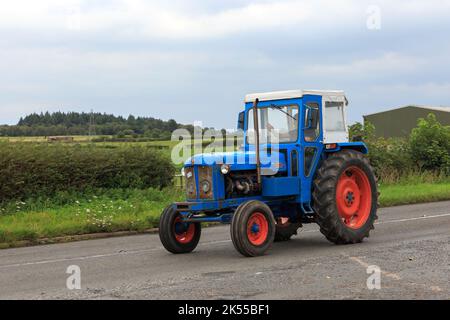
point(153, 19)
point(96, 53)
point(426, 90)
point(390, 62)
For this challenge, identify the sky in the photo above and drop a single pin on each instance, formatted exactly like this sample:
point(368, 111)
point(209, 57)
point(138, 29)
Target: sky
point(195, 60)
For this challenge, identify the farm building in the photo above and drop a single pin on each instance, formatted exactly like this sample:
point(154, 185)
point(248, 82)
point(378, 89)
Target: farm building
point(399, 122)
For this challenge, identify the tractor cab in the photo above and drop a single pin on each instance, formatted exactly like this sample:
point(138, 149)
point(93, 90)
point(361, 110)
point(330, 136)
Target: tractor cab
point(300, 125)
point(296, 166)
point(309, 116)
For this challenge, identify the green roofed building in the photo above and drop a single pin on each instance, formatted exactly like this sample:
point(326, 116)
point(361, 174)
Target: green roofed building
point(399, 122)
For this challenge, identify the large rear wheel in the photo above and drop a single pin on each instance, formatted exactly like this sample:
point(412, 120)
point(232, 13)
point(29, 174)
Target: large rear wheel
point(345, 197)
point(176, 235)
point(253, 229)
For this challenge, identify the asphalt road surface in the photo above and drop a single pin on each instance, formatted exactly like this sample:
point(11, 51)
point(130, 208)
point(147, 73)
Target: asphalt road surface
point(410, 245)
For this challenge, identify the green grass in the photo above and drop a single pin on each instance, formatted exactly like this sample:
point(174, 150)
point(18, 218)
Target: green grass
point(117, 210)
point(392, 195)
point(138, 210)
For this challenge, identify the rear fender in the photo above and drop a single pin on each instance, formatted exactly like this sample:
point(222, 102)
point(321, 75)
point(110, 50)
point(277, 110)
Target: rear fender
point(357, 146)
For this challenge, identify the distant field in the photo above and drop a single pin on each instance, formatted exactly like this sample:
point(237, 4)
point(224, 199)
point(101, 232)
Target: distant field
point(94, 139)
point(44, 139)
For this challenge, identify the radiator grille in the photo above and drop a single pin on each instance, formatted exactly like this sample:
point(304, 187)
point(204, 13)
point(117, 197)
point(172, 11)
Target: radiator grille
point(205, 177)
point(191, 188)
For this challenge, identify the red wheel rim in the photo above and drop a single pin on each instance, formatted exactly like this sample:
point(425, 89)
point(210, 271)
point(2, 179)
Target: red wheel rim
point(184, 232)
point(354, 197)
point(257, 229)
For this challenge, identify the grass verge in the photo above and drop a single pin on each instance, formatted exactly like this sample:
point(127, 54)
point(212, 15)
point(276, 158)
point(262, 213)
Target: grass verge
point(138, 210)
point(116, 210)
point(394, 195)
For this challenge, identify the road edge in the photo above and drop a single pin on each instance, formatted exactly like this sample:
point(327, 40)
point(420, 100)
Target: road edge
point(105, 235)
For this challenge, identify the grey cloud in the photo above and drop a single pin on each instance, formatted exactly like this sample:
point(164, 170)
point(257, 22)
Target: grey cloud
point(205, 78)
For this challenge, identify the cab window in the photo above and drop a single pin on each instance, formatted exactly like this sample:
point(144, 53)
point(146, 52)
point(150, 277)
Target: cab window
point(275, 123)
point(334, 116)
point(311, 126)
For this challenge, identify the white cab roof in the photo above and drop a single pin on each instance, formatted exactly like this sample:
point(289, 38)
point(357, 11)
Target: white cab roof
point(292, 94)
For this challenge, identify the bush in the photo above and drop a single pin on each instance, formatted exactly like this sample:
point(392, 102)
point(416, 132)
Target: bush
point(33, 170)
point(426, 153)
point(430, 144)
point(361, 132)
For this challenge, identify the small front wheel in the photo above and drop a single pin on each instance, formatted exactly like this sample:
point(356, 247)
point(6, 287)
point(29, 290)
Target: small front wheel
point(253, 229)
point(176, 235)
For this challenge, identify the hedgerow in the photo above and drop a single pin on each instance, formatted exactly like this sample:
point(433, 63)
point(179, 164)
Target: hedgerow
point(33, 170)
point(425, 153)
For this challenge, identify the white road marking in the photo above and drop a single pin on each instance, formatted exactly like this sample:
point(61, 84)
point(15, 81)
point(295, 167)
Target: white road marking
point(160, 248)
point(396, 220)
point(412, 219)
point(78, 258)
point(385, 273)
point(98, 256)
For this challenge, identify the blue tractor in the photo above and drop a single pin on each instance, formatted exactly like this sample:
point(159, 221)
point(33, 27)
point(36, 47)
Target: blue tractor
point(310, 173)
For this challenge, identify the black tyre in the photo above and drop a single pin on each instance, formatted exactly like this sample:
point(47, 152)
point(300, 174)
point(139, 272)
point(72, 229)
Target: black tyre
point(345, 197)
point(176, 235)
point(253, 228)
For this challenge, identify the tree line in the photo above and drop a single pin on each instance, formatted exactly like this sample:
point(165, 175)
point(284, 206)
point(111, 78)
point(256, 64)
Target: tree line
point(75, 123)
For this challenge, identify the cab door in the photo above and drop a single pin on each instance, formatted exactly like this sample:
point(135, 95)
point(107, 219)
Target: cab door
point(311, 145)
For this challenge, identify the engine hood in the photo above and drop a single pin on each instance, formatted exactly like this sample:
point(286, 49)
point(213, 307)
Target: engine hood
point(240, 160)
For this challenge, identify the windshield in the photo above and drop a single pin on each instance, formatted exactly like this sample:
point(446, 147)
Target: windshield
point(276, 124)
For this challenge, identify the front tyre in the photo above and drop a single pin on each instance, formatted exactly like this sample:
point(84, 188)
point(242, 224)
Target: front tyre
point(345, 197)
point(253, 228)
point(178, 236)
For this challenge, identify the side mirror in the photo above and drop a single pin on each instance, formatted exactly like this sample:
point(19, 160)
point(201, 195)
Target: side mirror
point(241, 121)
point(311, 118)
point(314, 118)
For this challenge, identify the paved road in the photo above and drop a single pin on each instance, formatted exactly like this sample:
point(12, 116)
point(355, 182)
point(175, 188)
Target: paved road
point(410, 244)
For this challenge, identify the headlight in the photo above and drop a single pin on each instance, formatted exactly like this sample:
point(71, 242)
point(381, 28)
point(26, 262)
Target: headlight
point(225, 168)
point(191, 188)
point(206, 186)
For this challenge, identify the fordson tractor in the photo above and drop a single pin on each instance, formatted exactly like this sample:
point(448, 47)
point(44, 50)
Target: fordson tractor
point(314, 175)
